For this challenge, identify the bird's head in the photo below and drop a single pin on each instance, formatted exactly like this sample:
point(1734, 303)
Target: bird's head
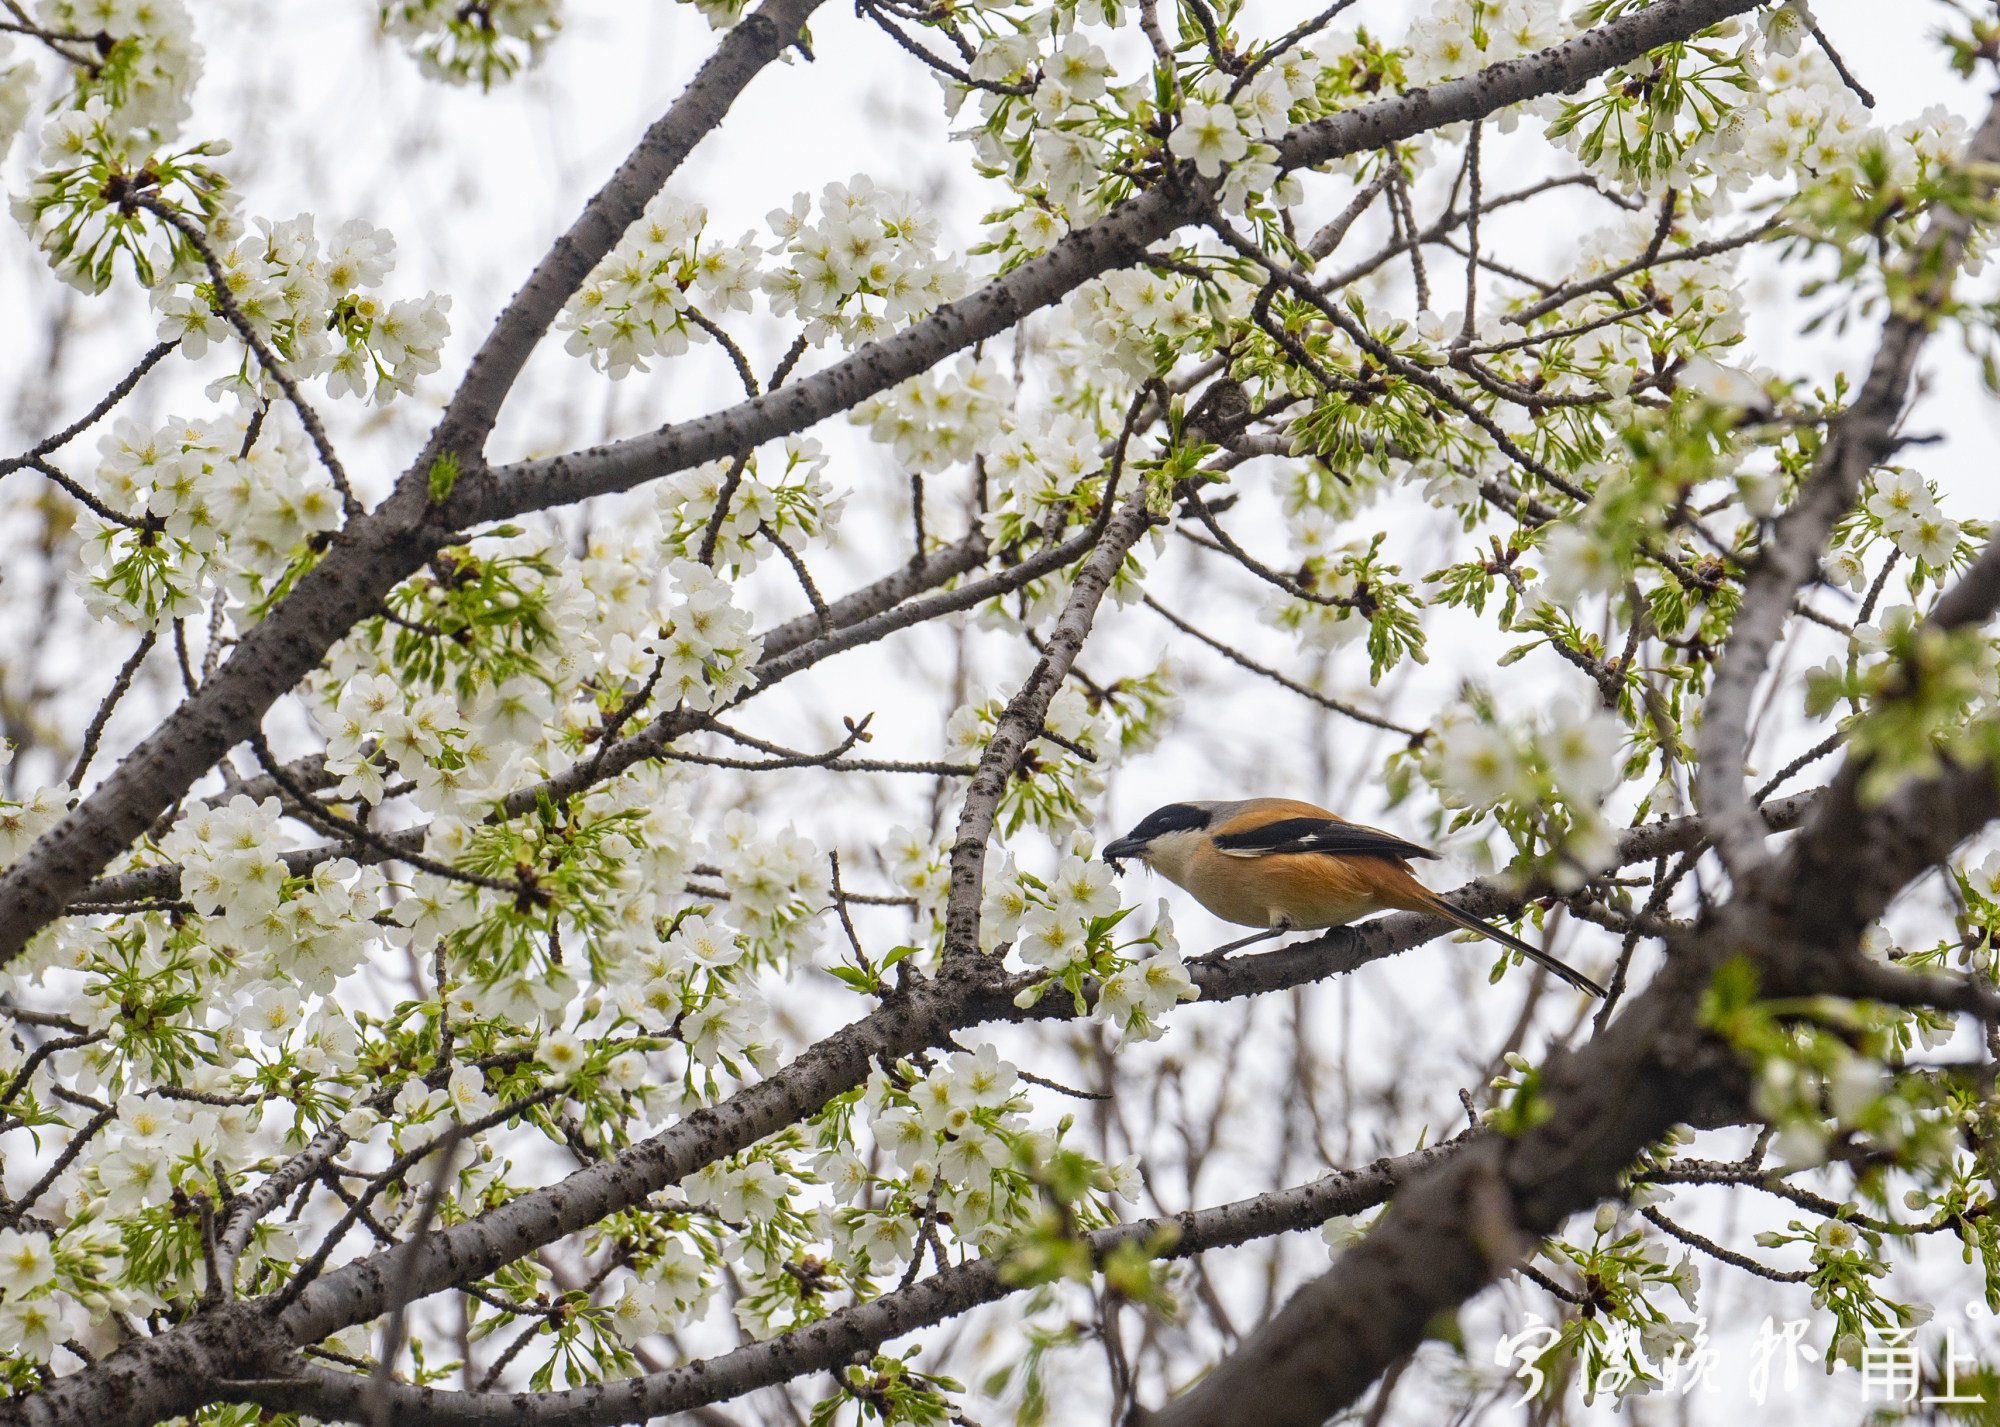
point(1166, 837)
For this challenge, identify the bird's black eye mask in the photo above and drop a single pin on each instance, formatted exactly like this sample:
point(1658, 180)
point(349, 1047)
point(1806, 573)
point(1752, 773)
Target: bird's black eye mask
point(1174, 817)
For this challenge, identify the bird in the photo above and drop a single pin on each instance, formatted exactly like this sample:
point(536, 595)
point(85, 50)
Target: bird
point(1290, 866)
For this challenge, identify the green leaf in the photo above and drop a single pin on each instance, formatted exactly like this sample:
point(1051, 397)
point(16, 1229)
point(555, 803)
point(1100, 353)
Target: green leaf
point(444, 475)
point(854, 976)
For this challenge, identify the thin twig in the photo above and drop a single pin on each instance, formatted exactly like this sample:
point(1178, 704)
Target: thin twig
point(1400, 204)
point(1257, 567)
point(790, 360)
point(846, 921)
point(403, 1278)
point(944, 67)
point(1542, 1280)
point(723, 497)
point(188, 682)
point(84, 497)
point(1284, 43)
point(1840, 68)
point(103, 716)
point(308, 809)
point(742, 363)
point(226, 300)
point(1329, 237)
point(41, 1053)
point(1062, 1089)
point(609, 730)
point(1335, 705)
point(1875, 589)
point(500, 1364)
point(96, 414)
point(1811, 755)
point(1562, 297)
point(13, 1213)
point(380, 1181)
point(797, 561)
point(1465, 331)
point(1716, 1251)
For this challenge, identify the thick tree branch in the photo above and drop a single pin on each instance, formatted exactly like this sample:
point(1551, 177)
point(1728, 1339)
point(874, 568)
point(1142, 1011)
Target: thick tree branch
point(1118, 240)
point(751, 45)
point(379, 549)
point(832, 1341)
point(1864, 437)
point(389, 543)
point(1454, 1230)
point(148, 1378)
point(1022, 721)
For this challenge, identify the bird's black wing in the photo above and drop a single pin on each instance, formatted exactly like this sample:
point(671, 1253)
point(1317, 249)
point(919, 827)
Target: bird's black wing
point(1316, 835)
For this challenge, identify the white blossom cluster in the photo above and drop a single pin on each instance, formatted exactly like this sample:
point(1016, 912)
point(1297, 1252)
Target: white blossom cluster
point(35, 1316)
point(1054, 802)
point(921, 867)
point(674, 1290)
point(229, 861)
point(1699, 307)
point(1547, 780)
point(635, 303)
point(17, 94)
point(696, 985)
point(778, 887)
point(21, 823)
point(935, 1132)
point(784, 491)
point(1460, 36)
point(1575, 747)
point(459, 44)
point(1772, 108)
point(958, 1159)
point(153, 66)
point(941, 418)
point(1032, 469)
point(1063, 925)
point(956, 1128)
point(1215, 132)
point(1877, 647)
point(311, 307)
point(1056, 145)
point(266, 1012)
point(373, 714)
point(708, 650)
point(1057, 132)
point(868, 265)
point(92, 150)
point(1905, 509)
point(210, 517)
point(1139, 320)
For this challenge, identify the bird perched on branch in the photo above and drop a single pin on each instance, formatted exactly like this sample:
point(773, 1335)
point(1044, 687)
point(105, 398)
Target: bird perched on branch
point(1289, 866)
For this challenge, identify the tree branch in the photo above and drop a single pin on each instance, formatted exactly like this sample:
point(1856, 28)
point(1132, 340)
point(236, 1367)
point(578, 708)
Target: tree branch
point(833, 1340)
point(1864, 437)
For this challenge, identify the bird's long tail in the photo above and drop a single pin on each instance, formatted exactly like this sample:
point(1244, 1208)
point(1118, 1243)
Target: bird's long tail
point(1471, 923)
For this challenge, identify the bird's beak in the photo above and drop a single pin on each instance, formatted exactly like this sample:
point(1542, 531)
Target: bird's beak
point(1123, 848)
